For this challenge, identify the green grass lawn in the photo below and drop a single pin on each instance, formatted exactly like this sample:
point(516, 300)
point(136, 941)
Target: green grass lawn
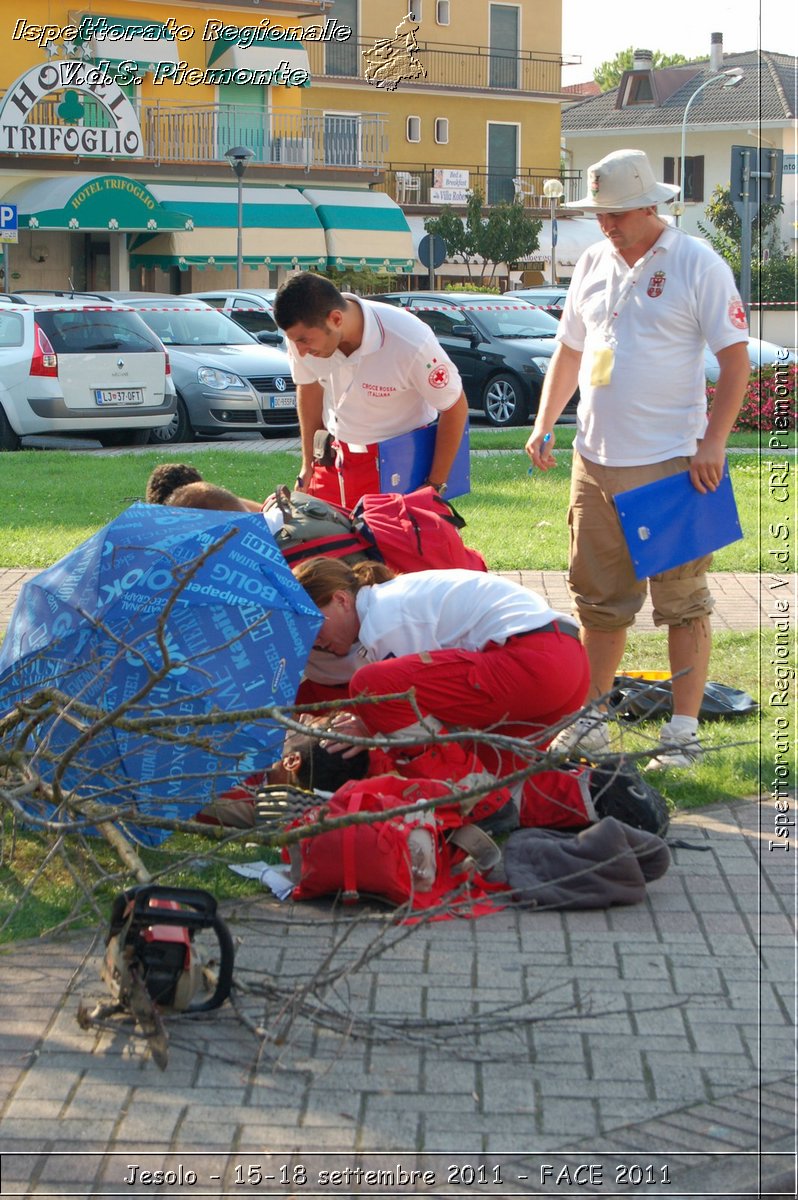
point(52, 501)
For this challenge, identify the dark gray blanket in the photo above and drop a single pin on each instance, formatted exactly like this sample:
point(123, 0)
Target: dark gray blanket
point(607, 863)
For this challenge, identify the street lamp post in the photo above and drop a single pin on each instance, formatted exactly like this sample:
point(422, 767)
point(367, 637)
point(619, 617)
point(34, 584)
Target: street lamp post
point(555, 191)
point(730, 78)
point(239, 158)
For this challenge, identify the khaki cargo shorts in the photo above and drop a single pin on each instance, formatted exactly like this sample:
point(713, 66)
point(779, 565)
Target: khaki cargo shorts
point(601, 578)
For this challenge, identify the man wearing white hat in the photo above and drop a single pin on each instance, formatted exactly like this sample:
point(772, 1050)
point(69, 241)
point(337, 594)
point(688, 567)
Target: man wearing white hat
point(641, 305)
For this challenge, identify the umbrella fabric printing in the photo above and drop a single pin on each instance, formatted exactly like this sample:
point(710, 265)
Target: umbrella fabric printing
point(168, 618)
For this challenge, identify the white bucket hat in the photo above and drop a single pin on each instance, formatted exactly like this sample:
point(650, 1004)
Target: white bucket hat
point(622, 181)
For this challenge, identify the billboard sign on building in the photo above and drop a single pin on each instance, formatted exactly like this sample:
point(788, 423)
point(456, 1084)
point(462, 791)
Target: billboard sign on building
point(68, 93)
point(449, 186)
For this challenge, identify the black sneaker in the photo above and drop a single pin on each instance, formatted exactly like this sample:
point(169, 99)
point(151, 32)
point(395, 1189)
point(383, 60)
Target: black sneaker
point(618, 790)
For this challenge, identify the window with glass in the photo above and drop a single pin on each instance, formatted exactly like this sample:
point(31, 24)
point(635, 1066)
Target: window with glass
point(504, 46)
point(693, 186)
point(502, 162)
point(343, 58)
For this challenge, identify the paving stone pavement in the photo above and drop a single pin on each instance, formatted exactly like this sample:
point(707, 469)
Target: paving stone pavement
point(645, 1050)
point(742, 601)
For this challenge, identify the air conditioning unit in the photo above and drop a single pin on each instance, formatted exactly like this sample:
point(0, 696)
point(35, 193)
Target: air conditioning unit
point(292, 151)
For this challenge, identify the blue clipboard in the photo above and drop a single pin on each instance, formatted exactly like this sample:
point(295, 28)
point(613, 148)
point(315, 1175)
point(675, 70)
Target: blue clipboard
point(668, 522)
point(405, 462)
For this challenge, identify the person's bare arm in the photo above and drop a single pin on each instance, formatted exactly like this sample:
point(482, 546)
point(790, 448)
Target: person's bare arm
point(558, 388)
point(706, 467)
point(447, 439)
point(309, 407)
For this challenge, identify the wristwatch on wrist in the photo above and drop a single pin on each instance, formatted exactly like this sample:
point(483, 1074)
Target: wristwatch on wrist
point(440, 488)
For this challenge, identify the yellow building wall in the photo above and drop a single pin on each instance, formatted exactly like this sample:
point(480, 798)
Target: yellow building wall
point(540, 32)
point(20, 55)
point(469, 24)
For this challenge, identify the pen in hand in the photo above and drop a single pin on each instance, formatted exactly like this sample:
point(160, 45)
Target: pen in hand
point(546, 438)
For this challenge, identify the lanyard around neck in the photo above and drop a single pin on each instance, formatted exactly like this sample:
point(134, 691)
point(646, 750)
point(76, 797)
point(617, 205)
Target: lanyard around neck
point(614, 308)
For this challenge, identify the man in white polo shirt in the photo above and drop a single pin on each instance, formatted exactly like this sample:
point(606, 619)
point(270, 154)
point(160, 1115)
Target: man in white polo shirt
point(364, 372)
point(641, 305)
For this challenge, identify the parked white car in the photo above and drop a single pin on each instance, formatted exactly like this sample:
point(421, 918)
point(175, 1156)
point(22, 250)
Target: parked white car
point(80, 366)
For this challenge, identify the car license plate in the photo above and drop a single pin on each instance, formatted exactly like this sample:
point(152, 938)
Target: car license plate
point(109, 396)
point(286, 401)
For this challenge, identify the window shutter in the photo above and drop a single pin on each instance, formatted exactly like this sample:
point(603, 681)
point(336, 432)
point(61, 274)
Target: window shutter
point(697, 190)
point(668, 171)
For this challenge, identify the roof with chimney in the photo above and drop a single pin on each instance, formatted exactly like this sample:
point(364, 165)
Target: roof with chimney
point(649, 98)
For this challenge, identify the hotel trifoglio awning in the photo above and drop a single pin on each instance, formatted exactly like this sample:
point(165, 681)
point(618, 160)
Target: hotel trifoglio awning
point(93, 202)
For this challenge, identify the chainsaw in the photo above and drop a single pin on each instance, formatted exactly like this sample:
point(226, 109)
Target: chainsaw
point(152, 964)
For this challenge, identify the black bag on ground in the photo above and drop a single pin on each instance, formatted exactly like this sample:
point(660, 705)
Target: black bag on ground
point(635, 697)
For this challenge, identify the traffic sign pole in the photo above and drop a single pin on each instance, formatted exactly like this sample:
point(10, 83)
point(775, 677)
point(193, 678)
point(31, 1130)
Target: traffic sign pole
point(750, 165)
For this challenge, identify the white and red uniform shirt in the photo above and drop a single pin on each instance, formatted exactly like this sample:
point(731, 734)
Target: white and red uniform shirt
point(657, 316)
point(397, 380)
point(445, 610)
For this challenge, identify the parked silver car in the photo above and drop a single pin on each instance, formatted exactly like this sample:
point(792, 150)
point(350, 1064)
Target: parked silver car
point(226, 379)
point(760, 354)
point(77, 365)
point(251, 308)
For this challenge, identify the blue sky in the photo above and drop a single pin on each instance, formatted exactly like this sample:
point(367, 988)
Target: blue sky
point(597, 32)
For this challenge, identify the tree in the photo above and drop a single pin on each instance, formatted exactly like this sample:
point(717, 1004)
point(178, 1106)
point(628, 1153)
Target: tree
point(608, 74)
point(460, 236)
point(773, 272)
point(509, 235)
point(506, 235)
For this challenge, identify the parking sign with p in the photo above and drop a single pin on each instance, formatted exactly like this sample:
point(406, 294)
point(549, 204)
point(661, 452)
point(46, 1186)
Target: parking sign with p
point(9, 231)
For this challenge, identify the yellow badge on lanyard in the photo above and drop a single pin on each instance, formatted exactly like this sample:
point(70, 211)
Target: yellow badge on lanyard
point(601, 368)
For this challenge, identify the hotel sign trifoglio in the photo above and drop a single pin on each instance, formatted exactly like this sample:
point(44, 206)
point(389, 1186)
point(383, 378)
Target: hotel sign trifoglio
point(67, 78)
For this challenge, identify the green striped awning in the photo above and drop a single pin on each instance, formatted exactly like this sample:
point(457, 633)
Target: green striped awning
point(363, 229)
point(280, 228)
point(94, 202)
point(259, 53)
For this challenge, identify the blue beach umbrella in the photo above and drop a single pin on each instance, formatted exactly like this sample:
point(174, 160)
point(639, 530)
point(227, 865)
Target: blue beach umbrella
point(177, 613)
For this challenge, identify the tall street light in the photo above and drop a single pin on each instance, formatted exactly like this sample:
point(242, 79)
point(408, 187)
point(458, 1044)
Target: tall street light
point(730, 78)
point(555, 191)
point(239, 159)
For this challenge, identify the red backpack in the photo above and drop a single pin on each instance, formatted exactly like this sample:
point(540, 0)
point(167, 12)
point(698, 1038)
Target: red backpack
point(404, 858)
point(418, 531)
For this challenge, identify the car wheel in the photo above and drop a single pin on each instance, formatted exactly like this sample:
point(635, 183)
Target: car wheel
point(503, 402)
point(179, 428)
point(8, 439)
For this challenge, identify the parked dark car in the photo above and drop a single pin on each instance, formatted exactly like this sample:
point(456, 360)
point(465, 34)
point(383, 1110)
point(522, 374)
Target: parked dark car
point(551, 299)
point(501, 346)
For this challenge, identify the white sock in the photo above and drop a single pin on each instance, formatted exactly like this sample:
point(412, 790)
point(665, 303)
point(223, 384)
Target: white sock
point(682, 725)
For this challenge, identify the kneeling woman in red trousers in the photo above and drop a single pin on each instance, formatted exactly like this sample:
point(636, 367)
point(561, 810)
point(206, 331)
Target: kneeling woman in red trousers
point(478, 650)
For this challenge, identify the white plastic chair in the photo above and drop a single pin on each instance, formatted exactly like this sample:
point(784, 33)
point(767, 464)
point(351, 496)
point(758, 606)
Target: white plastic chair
point(407, 186)
point(523, 188)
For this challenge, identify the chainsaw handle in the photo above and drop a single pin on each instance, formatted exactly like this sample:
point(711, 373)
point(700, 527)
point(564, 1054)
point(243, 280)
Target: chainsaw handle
point(224, 979)
point(199, 914)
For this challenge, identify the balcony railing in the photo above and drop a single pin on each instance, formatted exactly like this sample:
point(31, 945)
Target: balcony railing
point(199, 133)
point(476, 68)
point(410, 185)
